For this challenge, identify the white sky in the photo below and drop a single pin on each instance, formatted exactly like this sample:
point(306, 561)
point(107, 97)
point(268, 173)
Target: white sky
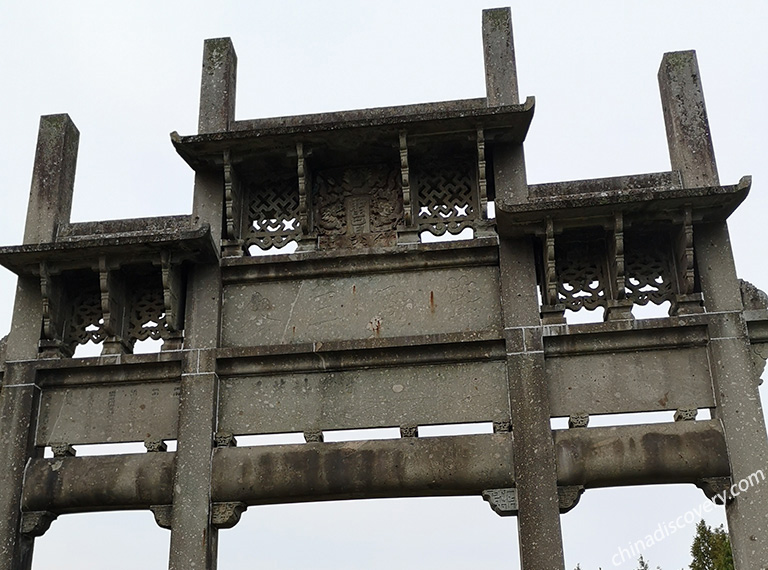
point(128, 75)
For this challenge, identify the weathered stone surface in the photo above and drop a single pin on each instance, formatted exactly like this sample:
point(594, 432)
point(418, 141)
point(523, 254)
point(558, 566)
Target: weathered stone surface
point(364, 326)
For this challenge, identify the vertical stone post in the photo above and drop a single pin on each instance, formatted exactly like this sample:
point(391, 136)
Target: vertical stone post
point(194, 540)
point(541, 543)
point(50, 202)
point(499, 52)
point(218, 85)
point(501, 89)
point(735, 381)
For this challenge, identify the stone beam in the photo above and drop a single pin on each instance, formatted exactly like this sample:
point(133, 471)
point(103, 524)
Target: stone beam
point(680, 452)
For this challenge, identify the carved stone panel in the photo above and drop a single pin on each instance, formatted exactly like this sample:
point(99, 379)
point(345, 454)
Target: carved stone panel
point(447, 198)
point(379, 397)
point(649, 268)
point(273, 212)
point(358, 207)
point(108, 414)
point(361, 306)
point(580, 262)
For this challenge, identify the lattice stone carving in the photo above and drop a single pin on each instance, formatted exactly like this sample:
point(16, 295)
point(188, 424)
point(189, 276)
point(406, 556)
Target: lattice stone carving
point(447, 200)
point(580, 268)
point(358, 207)
point(649, 269)
point(273, 212)
point(87, 322)
point(147, 315)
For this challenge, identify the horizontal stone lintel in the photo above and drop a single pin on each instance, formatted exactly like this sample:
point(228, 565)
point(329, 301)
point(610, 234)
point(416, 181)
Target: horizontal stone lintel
point(681, 452)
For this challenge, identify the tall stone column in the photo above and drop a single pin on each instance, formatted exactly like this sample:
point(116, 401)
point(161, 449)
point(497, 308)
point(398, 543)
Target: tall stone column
point(194, 539)
point(735, 381)
point(50, 202)
point(541, 543)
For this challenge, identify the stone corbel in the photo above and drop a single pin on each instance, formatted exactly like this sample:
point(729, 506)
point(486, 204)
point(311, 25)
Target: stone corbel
point(304, 174)
point(163, 515)
point(227, 515)
point(504, 501)
point(54, 324)
point(568, 497)
point(114, 309)
point(155, 445)
point(579, 420)
point(619, 308)
point(686, 300)
point(225, 439)
point(173, 301)
point(36, 523)
point(409, 232)
point(552, 312)
point(232, 244)
point(313, 436)
point(409, 431)
point(63, 449)
point(717, 489)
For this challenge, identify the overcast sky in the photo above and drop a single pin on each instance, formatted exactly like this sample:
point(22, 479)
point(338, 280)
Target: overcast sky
point(128, 75)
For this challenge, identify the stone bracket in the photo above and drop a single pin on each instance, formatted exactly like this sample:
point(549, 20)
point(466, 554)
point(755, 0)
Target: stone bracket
point(227, 515)
point(36, 523)
point(716, 489)
point(163, 514)
point(504, 501)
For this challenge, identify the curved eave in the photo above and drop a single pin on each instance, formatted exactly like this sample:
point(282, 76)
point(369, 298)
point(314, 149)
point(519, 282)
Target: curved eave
point(194, 244)
point(708, 204)
point(506, 123)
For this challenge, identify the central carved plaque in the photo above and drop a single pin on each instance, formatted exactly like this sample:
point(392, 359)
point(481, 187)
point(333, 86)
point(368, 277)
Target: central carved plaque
point(358, 206)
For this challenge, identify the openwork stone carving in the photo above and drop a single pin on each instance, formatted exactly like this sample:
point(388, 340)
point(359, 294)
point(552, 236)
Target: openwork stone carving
point(273, 212)
point(87, 322)
point(649, 269)
point(447, 199)
point(36, 523)
point(147, 315)
point(580, 267)
point(358, 207)
point(502, 501)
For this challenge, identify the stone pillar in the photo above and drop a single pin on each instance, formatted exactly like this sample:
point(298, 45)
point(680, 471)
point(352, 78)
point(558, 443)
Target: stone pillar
point(50, 203)
point(735, 380)
point(217, 87)
point(501, 89)
point(541, 543)
point(194, 539)
point(499, 52)
point(53, 178)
